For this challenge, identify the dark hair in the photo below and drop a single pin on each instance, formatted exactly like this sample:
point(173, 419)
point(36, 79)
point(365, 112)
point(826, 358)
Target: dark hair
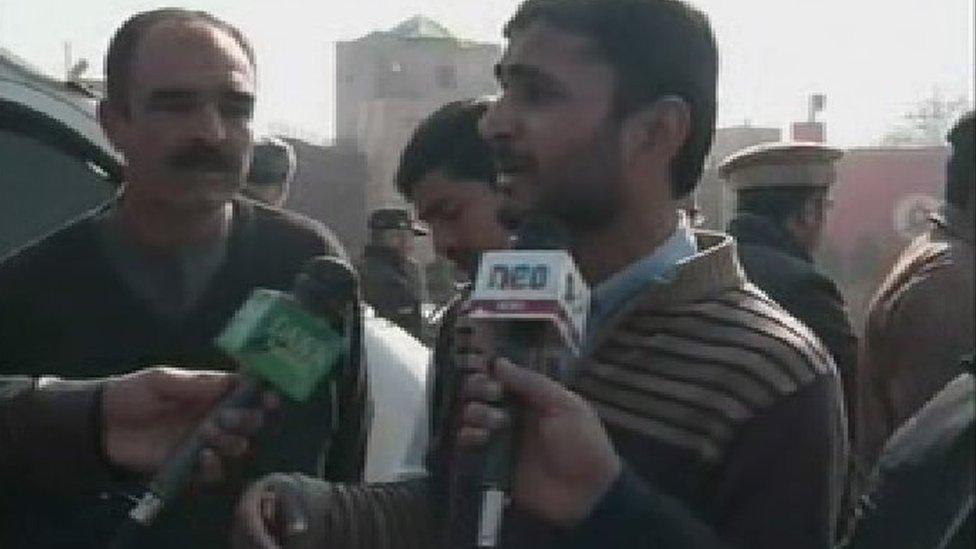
point(121, 50)
point(656, 48)
point(447, 140)
point(959, 171)
point(778, 204)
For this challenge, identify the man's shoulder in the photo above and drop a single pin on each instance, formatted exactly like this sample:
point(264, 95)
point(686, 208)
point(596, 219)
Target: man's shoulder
point(926, 254)
point(929, 458)
point(786, 277)
point(708, 366)
point(926, 271)
point(285, 229)
point(940, 424)
point(774, 265)
point(761, 325)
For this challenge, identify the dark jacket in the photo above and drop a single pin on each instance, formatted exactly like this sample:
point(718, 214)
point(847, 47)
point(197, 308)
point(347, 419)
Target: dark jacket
point(393, 287)
point(49, 440)
point(65, 311)
point(921, 495)
point(922, 491)
point(778, 266)
point(634, 515)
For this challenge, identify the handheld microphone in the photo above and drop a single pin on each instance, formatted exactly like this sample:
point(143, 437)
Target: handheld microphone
point(537, 301)
point(287, 343)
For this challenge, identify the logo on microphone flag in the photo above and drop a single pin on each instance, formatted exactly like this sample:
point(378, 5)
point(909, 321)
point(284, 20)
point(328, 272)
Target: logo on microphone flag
point(275, 340)
point(533, 285)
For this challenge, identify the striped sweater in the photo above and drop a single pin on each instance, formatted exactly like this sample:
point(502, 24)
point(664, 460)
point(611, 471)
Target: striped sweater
point(713, 393)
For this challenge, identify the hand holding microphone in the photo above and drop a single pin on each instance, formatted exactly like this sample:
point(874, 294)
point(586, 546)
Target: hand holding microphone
point(288, 343)
point(147, 413)
point(564, 462)
point(533, 302)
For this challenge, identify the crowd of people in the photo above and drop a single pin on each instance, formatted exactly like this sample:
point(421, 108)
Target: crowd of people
point(721, 399)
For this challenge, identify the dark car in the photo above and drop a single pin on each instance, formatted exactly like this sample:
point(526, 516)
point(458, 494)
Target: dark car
point(54, 161)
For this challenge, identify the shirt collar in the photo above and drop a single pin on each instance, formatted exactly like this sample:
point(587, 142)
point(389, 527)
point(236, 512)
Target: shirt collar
point(658, 266)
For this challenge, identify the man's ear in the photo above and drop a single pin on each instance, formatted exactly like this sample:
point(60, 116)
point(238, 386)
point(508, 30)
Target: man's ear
point(111, 120)
point(805, 219)
point(660, 128)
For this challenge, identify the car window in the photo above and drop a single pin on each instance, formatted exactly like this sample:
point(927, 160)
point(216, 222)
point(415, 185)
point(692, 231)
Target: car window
point(42, 187)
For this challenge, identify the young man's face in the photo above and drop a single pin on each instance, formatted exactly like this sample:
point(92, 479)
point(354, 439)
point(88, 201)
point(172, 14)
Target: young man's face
point(462, 216)
point(553, 128)
point(187, 134)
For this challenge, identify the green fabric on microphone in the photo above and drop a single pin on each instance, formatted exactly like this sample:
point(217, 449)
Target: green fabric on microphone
point(275, 340)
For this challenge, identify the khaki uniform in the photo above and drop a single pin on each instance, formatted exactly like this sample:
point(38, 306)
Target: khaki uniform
point(919, 324)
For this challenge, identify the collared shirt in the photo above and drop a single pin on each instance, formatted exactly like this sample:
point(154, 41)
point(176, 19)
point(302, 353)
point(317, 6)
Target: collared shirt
point(659, 266)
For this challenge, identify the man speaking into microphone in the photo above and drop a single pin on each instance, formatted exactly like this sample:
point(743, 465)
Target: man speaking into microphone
point(153, 276)
point(707, 389)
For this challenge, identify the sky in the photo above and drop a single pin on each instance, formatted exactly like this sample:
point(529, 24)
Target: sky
point(874, 59)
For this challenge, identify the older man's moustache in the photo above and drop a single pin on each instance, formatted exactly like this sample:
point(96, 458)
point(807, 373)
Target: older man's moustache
point(511, 162)
point(202, 161)
point(505, 157)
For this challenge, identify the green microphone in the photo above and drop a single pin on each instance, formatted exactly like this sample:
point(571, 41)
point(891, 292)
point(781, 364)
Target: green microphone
point(288, 343)
point(281, 345)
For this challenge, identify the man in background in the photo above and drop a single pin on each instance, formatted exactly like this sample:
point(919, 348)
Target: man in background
point(272, 169)
point(920, 321)
point(782, 199)
point(446, 172)
point(392, 281)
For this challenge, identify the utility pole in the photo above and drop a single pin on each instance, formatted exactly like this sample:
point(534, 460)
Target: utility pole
point(67, 60)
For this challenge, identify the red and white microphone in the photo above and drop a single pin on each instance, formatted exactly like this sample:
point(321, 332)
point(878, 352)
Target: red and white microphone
point(536, 303)
point(533, 286)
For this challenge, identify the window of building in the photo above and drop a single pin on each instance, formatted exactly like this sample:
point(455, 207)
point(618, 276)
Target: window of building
point(446, 77)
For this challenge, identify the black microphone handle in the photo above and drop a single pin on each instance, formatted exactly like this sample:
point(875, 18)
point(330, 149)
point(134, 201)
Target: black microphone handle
point(523, 343)
point(177, 471)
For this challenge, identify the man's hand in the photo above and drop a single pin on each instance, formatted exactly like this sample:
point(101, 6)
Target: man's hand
point(274, 513)
point(146, 414)
point(565, 462)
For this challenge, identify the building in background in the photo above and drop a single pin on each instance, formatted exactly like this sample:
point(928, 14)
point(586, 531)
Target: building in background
point(328, 187)
point(811, 129)
point(387, 82)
